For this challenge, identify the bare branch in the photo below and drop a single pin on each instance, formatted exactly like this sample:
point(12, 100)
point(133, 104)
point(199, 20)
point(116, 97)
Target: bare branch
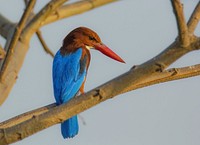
point(16, 35)
point(159, 63)
point(25, 116)
point(7, 71)
point(41, 39)
point(194, 19)
point(171, 75)
point(37, 20)
point(46, 48)
point(181, 23)
point(74, 9)
point(69, 10)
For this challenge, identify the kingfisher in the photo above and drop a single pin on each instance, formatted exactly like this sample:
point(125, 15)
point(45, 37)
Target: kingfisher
point(70, 67)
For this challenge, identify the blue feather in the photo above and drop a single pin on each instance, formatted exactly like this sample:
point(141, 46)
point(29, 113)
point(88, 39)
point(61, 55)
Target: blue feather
point(69, 128)
point(69, 72)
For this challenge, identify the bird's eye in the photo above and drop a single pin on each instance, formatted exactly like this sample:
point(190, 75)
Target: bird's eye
point(92, 38)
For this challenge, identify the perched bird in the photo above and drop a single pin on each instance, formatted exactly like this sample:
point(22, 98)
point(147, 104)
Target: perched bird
point(70, 67)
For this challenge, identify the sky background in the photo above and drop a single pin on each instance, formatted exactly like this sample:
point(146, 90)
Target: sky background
point(137, 30)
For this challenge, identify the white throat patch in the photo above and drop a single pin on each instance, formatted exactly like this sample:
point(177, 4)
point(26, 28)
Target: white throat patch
point(88, 47)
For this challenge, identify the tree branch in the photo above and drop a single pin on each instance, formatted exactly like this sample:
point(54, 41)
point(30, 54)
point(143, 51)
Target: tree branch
point(11, 65)
point(194, 19)
point(16, 36)
point(39, 35)
point(46, 48)
point(37, 20)
point(25, 116)
point(181, 23)
point(70, 10)
point(74, 9)
point(159, 63)
point(171, 75)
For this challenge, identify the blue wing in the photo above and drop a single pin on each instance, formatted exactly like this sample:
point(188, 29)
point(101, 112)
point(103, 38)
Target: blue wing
point(69, 72)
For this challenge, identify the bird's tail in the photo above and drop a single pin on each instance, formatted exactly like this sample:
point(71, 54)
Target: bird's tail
point(69, 128)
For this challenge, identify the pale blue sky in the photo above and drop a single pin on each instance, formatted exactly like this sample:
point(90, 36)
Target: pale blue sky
point(137, 30)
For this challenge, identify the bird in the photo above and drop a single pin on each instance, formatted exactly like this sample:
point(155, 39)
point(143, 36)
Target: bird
point(70, 66)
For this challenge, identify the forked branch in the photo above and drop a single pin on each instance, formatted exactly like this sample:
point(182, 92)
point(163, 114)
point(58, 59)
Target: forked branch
point(16, 35)
point(37, 20)
point(41, 39)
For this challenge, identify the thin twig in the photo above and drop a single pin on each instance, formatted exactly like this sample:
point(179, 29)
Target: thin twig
point(41, 39)
point(17, 33)
point(74, 9)
point(37, 20)
point(181, 23)
point(46, 48)
point(194, 19)
point(68, 10)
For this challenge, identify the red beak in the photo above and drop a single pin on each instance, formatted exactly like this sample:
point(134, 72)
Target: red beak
point(108, 52)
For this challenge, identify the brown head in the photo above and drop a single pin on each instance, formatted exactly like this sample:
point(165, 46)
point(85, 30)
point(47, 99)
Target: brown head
point(86, 38)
